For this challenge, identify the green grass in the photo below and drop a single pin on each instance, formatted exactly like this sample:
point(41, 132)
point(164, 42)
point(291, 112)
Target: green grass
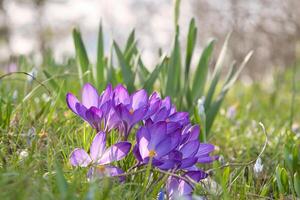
point(48, 131)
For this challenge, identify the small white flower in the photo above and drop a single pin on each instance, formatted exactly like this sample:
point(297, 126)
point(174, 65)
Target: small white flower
point(23, 154)
point(200, 105)
point(33, 73)
point(45, 97)
point(15, 95)
point(258, 166)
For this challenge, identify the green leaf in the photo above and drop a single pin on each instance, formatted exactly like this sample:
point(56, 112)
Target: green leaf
point(279, 180)
point(176, 12)
point(53, 83)
point(130, 41)
point(127, 75)
point(216, 73)
point(130, 48)
point(98, 72)
point(153, 76)
point(213, 110)
point(61, 182)
point(201, 71)
point(174, 68)
point(81, 55)
point(191, 42)
point(232, 76)
point(297, 184)
point(142, 71)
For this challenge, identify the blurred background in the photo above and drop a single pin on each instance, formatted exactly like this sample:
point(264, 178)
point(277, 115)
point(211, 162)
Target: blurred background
point(35, 27)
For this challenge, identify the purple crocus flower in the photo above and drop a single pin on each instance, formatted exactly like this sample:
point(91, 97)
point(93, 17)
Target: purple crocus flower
point(154, 142)
point(177, 187)
point(100, 157)
point(167, 111)
point(130, 108)
point(96, 110)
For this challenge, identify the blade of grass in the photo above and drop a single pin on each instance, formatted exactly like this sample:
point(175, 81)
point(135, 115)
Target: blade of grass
point(98, 71)
point(148, 85)
point(173, 77)
point(216, 73)
point(81, 55)
point(202, 71)
point(191, 42)
point(128, 76)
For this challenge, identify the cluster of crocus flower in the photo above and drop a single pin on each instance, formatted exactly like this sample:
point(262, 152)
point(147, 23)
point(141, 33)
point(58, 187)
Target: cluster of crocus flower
point(164, 137)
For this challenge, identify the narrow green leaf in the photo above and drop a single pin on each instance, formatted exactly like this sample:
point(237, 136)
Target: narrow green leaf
point(110, 71)
point(174, 68)
point(216, 73)
point(297, 184)
point(278, 179)
point(98, 71)
point(61, 182)
point(130, 41)
point(127, 75)
point(231, 80)
point(191, 42)
point(213, 110)
point(202, 71)
point(53, 83)
point(153, 76)
point(81, 55)
point(176, 12)
point(144, 73)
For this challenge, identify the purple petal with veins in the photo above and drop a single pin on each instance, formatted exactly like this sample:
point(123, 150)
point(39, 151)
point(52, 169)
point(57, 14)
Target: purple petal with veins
point(71, 102)
point(98, 146)
point(139, 99)
point(79, 157)
point(115, 152)
point(121, 95)
point(89, 96)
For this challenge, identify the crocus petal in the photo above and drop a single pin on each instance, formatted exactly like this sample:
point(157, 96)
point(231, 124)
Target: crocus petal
point(81, 110)
point(166, 103)
point(94, 117)
point(173, 126)
point(106, 95)
point(180, 117)
point(195, 130)
point(158, 133)
point(113, 171)
point(184, 188)
point(152, 108)
point(163, 148)
point(143, 147)
point(80, 158)
point(197, 175)
point(139, 99)
point(90, 96)
point(136, 153)
point(207, 158)
point(175, 139)
point(115, 152)
point(98, 146)
point(138, 115)
point(123, 113)
point(168, 164)
point(161, 115)
point(190, 149)
point(188, 162)
point(143, 138)
point(121, 95)
point(205, 149)
point(71, 102)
